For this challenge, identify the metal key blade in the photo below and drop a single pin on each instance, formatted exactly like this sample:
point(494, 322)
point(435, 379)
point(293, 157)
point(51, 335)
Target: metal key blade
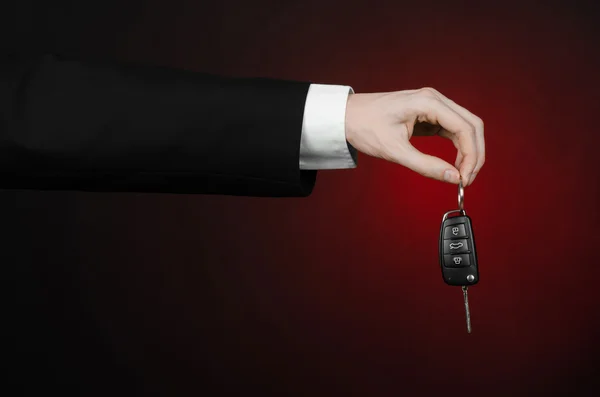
point(467, 311)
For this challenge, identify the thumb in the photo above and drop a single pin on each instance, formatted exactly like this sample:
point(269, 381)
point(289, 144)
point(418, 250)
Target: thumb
point(426, 165)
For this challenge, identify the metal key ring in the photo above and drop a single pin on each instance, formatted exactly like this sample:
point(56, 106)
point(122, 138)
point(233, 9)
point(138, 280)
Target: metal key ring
point(461, 196)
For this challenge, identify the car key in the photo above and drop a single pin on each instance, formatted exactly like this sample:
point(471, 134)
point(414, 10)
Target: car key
point(458, 256)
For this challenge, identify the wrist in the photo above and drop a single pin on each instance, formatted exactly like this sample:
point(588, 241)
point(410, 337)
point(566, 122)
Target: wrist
point(349, 118)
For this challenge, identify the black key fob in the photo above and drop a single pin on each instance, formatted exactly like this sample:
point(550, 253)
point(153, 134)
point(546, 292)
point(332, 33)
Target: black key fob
point(458, 255)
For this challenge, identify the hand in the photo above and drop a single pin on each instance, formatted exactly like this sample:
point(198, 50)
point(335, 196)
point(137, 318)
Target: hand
point(381, 125)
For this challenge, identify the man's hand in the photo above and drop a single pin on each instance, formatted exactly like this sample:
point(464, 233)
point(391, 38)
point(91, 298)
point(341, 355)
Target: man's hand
point(381, 124)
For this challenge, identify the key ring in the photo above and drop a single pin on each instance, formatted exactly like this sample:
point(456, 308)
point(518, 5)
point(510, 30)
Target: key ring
point(461, 201)
point(461, 196)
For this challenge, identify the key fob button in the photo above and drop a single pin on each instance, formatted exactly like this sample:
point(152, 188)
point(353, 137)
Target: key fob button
point(457, 260)
point(456, 246)
point(455, 231)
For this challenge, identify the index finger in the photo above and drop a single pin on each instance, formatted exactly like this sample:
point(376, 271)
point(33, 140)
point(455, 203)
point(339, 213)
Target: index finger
point(477, 122)
point(433, 110)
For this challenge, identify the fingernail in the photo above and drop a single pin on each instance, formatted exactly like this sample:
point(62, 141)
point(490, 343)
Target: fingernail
point(450, 176)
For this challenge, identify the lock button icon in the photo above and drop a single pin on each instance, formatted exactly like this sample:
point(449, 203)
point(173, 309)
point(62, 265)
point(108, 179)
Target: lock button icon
point(455, 231)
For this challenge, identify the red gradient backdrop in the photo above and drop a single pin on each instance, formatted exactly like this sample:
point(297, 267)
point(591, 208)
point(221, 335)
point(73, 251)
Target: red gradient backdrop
point(341, 293)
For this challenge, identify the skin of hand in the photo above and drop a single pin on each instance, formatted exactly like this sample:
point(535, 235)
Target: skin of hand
point(381, 125)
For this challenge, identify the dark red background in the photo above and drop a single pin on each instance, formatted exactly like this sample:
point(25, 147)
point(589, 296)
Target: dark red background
point(339, 293)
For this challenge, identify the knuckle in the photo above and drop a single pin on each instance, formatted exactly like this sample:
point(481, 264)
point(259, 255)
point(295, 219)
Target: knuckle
point(479, 123)
point(428, 92)
point(436, 92)
point(470, 128)
point(467, 131)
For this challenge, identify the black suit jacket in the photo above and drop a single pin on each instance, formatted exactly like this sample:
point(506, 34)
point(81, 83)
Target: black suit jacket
point(68, 124)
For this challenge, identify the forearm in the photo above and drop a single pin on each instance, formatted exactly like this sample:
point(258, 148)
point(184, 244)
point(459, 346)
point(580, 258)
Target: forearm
point(75, 125)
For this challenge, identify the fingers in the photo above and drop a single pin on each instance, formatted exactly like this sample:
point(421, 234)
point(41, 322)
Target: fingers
point(459, 158)
point(479, 133)
point(463, 133)
point(426, 165)
point(381, 125)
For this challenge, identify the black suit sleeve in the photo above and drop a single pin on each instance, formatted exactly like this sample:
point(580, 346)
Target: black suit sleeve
point(89, 126)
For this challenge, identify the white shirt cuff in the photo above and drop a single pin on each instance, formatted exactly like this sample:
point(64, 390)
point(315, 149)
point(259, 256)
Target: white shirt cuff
point(323, 143)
